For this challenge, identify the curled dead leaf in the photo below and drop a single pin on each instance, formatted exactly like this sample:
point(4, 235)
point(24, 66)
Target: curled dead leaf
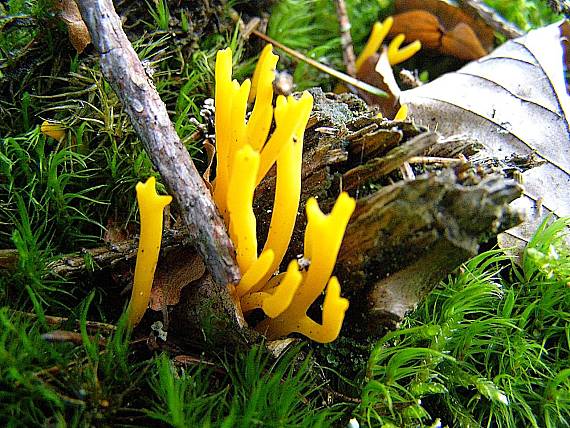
point(210, 150)
point(418, 25)
point(175, 271)
point(443, 27)
point(78, 32)
point(377, 71)
point(462, 42)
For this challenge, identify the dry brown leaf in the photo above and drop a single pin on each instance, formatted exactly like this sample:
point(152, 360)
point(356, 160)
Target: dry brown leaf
point(462, 42)
point(377, 71)
point(418, 25)
point(514, 102)
point(114, 232)
point(175, 271)
point(78, 33)
point(443, 27)
point(450, 16)
point(210, 150)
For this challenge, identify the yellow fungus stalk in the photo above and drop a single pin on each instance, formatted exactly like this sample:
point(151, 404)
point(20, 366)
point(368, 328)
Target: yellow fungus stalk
point(289, 116)
point(223, 102)
point(256, 273)
point(240, 206)
point(402, 113)
point(262, 91)
point(283, 294)
point(397, 55)
point(326, 232)
point(151, 206)
point(377, 36)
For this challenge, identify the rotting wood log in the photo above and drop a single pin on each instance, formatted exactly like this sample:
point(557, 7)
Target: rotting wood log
point(405, 236)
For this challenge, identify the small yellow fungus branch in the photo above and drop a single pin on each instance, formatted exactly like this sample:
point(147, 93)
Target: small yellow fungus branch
point(402, 113)
point(245, 155)
point(151, 206)
point(260, 121)
point(377, 36)
point(397, 55)
point(223, 102)
point(240, 209)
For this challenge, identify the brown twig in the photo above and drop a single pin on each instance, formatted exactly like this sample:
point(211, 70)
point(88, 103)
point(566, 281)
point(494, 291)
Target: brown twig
point(124, 71)
point(379, 167)
point(98, 258)
point(69, 336)
point(427, 160)
point(345, 38)
point(491, 18)
point(57, 321)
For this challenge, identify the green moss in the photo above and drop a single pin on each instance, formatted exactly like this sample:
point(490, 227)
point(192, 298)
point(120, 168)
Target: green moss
point(490, 348)
point(526, 14)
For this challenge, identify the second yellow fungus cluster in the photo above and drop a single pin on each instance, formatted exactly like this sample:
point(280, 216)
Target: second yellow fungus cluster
point(245, 155)
point(396, 54)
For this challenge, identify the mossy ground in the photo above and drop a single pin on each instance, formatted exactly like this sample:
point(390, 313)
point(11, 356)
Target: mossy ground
point(489, 347)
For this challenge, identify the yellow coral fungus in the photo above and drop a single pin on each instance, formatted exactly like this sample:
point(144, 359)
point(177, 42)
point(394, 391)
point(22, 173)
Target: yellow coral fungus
point(377, 36)
point(244, 156)
point(326, 232)
point(395, 54)
point(151, 206)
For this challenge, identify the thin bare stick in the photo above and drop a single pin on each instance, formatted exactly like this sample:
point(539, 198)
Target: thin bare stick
point(124, 71)
point(334, 73)
point(69, 336)
point(57, 321)
point(345, 38)
point(435, 160)
point(493, 19)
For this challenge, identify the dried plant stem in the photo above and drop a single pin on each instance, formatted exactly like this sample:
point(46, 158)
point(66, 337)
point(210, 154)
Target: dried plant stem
point(346, 38)
point(349, 80)
point(435, 160)
point(493, 19)
point(91, 326)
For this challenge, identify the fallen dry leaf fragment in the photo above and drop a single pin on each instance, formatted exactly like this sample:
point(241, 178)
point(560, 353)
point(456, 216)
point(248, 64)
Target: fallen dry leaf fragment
point(515, 103)
point(175, 271)
point(377, 71)
point(444, 27)
point(78, 33)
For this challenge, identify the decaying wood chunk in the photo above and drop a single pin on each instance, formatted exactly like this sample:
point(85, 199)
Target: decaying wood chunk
point(405, 236)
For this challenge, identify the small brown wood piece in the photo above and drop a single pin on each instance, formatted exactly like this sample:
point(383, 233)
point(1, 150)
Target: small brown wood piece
point(384, 165)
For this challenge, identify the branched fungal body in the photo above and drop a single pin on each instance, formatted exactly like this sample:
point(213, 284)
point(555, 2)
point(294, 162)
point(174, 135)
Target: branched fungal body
point(245, 155)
